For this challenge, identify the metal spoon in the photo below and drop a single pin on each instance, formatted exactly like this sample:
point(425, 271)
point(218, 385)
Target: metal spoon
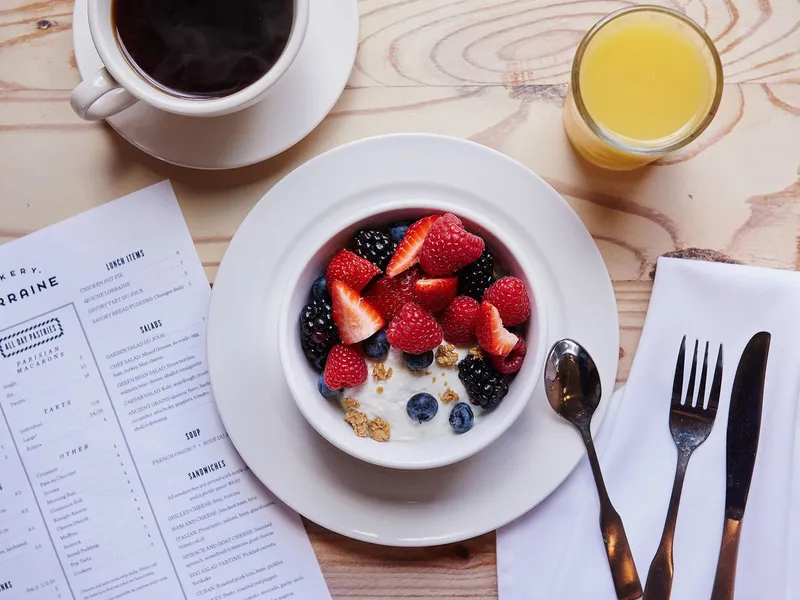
point(573, 388)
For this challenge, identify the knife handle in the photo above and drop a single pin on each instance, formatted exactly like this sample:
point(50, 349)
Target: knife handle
point(726, 565)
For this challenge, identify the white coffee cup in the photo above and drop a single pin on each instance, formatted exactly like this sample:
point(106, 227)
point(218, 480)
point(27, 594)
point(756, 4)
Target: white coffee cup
point(118, 85)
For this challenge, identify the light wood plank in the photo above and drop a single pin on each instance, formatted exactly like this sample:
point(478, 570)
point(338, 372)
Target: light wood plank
point(493, 71)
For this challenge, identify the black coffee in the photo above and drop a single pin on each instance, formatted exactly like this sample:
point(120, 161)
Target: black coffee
point(203, 48)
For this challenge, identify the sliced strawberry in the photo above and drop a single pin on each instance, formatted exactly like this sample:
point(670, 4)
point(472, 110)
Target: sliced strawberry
point(345, 368)
point(492, 336)
point(436, 294)
point(389, 295)
point(513, 362)
point(349, 267)
point(414, 330)
point(509, 296)
point(449, 247)
point(355, 317)
point(458, 320)
point(407, 253)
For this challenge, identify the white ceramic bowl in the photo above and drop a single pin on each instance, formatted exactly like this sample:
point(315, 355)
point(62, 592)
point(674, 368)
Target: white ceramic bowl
point(326, 416)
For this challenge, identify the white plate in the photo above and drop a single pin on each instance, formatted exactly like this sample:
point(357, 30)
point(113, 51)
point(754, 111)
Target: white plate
point(370, 503)
point(298, 103)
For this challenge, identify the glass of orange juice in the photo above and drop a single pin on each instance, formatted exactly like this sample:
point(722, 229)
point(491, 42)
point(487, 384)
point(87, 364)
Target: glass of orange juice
point(646, 80)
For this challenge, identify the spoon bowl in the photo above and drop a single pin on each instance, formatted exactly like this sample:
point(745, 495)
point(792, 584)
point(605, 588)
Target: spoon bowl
point(572, 383)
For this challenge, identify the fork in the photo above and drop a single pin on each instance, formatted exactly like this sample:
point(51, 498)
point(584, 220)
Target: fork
point(690, 424)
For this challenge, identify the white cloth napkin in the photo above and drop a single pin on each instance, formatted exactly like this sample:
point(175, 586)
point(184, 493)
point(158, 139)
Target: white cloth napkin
point(555, 552)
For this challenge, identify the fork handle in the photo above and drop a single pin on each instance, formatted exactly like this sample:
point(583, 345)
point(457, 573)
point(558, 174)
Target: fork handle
point(620, 557)
point(726, 565)
point(659, 577)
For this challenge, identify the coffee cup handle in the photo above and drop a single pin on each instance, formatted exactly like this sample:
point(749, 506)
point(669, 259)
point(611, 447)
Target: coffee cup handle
point(100, 97)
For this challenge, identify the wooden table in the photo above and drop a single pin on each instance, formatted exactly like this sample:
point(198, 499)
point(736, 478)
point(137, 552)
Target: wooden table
point(493, 71)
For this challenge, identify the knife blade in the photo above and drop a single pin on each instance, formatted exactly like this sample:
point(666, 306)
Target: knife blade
point(744, 427)
point(744, 423)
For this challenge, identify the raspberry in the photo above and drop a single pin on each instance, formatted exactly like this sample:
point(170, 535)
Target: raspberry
point(449, 247)
point(458, 320)
point(509, 296)
point(389, 295)
point(513, 362)
point(345, 368)
point(436, 294)
point(413, 330)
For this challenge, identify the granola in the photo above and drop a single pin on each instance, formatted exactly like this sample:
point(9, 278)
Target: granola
point(379, 430)
point(448, 396)
point(351, 403)
point(358, 421)
point(476, 352)
point(380, 372)
point(446, 355)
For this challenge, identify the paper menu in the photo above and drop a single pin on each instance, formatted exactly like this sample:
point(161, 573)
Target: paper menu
point(117, 478)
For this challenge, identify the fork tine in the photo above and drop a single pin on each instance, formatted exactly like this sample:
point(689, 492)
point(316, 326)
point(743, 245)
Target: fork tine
point(692, 375)
point(716, 384)
point(677, 384)
point(701, 391)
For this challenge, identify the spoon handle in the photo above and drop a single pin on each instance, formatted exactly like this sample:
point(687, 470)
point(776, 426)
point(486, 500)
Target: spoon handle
point(620, 557)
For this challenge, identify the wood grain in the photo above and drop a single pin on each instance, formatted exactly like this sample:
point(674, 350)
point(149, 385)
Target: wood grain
point(494, 71)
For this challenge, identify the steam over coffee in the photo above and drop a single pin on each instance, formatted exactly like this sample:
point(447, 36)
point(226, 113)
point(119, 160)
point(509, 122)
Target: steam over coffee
point(203, 48)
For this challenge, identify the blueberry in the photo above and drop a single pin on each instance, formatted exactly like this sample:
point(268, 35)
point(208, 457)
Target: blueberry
point(422, 407)
point(319, 289)
point(417, 362)
point(377, 346)
point(398, 230)
point(324, 389)
point(461, 418)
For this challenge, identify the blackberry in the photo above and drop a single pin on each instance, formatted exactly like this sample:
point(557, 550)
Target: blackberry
point(376, 246)
point(475, 278)
point(485, 385)
point(318, 332)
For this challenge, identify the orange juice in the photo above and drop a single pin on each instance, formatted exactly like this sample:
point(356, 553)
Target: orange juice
point(646, 81)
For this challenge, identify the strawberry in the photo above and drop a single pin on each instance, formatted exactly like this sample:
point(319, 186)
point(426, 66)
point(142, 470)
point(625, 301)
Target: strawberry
point(509, 296)
point(345, 368)
point(389, 295)
point(458, 320)
point(355, 318)
point(349, 267)
point(513, 362)
point(414, 330)
point(407, 253)
point(492, 336)
point(449, 247)
point(436, 294)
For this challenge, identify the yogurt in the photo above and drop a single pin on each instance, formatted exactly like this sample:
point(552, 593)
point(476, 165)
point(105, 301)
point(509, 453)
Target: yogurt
point(387, 399)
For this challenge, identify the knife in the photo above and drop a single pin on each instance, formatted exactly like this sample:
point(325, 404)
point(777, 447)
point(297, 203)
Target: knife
point(744, 425)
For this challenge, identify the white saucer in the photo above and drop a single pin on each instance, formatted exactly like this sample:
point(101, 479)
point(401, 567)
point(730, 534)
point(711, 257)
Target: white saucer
point(298, 103)
point(374, 504)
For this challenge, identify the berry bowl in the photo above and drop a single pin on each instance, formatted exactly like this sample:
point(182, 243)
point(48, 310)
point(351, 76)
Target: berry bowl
point(412, 335)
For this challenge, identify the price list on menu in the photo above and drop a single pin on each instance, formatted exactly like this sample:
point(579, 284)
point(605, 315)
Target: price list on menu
point(117, 478)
